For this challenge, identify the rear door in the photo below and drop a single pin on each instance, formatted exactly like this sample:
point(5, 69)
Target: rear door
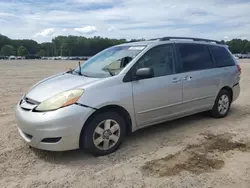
point(199, 84)
point(158, 98)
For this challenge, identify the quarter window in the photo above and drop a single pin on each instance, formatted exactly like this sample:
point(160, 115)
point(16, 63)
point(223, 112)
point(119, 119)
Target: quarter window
point(160, 58)
point(222, 56)
point(194, 57)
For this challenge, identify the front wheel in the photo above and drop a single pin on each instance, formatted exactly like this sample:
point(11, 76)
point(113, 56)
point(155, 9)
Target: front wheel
point(103, 134)
point(222, 104)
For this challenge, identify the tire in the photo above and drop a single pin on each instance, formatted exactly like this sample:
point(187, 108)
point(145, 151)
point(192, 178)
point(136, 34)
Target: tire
point(97, 131)
point(221, 107)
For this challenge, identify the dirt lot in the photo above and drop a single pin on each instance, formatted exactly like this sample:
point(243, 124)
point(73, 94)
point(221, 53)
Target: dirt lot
point(196, 151)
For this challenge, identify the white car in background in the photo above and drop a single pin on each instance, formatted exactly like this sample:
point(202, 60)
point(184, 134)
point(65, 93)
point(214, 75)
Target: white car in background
point(12, 57)
point(236, 57)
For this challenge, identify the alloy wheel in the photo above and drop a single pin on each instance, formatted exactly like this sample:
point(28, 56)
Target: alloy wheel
point(223, 104)
point(106, 134)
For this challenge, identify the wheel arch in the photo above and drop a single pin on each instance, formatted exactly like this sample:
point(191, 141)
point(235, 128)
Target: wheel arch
point(113, 108)
point(229, 89)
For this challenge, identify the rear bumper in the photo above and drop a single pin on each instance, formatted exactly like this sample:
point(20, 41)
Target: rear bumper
point(236, 91)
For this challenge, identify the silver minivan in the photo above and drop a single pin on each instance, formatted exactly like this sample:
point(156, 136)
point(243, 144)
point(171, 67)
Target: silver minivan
point(125, 88)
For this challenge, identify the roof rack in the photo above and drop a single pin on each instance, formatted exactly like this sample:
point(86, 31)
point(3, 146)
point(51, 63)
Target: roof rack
point(155, 39)
point(189, 38)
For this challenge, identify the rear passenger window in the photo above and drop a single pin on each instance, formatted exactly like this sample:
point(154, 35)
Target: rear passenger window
point(222, 56)
point(160, 58)
point(194, 57)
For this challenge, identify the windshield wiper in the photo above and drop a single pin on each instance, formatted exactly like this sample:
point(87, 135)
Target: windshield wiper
point(72, 70)
point(78, 72)
point(110, 72)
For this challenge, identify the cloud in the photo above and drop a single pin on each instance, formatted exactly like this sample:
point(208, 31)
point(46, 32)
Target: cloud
point(45, 32)
point(92, 1)
point(125, 18)
point(86, 30)
point(112, 28)
point(3, 14)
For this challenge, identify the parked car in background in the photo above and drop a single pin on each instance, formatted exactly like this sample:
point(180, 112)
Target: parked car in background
point(242, 56)
point(12, 57)
point(236, 57)
point(84, 58)
point(44, 58)
point(125, 88)
point(32, 56)
point(74, 58)
point(63, 58)
point(3, 57)
point(58, 58)
point(239, 56)
point(20, 57)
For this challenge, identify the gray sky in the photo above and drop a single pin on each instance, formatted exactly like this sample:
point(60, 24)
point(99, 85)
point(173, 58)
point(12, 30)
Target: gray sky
point(42, 20)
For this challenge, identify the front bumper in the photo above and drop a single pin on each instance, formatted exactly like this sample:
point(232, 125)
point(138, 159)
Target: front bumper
point(39, 130)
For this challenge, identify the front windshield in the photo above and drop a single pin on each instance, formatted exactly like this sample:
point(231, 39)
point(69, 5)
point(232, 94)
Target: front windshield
point(110, 61)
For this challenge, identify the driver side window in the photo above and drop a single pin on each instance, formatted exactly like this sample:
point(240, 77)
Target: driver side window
point(160, 58)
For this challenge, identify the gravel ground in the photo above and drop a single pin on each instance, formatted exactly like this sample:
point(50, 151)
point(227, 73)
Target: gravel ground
point(196, 151)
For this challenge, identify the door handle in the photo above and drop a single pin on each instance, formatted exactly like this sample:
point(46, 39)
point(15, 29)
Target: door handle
point(187, 78)
point(176, 80)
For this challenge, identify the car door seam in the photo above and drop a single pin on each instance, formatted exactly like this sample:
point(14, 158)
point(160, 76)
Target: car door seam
point(197, 99)
point(86, 106)
point(161, 107)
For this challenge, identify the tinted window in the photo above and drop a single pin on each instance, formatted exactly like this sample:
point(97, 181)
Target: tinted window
point(222, 56)
point(194, 57)
point(160, 58)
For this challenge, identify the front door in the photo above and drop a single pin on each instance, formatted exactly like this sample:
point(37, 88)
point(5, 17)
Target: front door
point(158, 98)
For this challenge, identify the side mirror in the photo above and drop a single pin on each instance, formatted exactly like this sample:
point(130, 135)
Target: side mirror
point(144, 73)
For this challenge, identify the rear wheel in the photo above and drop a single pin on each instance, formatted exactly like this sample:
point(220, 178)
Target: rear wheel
point(103, 134)
point(222, 104)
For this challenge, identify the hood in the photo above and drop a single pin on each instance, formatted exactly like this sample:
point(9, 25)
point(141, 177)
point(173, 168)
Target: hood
point(57, 84)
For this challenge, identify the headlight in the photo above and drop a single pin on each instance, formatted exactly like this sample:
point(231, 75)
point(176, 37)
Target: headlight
point(60, 100)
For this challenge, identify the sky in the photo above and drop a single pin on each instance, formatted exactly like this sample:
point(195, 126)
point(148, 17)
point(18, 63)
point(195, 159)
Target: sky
point(43, 20)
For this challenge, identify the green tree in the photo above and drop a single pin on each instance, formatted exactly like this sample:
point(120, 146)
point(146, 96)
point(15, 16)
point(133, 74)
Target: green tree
point(4, 41)
point(31, 45)
point(223, 42)
point(48, 47)
point(83, 46)
point(7, 50)
point(41, 53)
point(64, 50)
point(22, 51)
point(239, 46)
point(58, 43)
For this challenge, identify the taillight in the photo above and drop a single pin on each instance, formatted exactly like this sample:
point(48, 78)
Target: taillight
point(239, 68)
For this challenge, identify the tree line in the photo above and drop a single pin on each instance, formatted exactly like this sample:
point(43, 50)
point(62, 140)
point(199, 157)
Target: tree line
point(81, 46)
